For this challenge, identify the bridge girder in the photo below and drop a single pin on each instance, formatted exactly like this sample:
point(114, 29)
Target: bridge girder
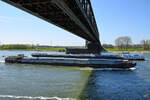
point(75, 16)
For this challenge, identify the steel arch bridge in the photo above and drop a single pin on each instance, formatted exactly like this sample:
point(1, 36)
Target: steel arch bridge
point(75, 16)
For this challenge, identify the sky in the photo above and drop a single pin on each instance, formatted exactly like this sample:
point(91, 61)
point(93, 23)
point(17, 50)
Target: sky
point(114, 18)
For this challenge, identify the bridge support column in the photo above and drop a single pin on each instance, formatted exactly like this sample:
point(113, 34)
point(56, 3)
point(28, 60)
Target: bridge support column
point(93, 47)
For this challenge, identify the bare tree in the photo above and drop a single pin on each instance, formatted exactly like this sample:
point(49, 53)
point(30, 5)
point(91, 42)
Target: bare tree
point(123, 42)
point(145, 44)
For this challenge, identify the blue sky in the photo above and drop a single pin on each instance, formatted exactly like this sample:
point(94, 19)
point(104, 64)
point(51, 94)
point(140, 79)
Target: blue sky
point(114, 18)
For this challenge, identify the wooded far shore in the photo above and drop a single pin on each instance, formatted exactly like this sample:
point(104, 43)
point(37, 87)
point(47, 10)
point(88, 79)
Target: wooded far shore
point(25, 47)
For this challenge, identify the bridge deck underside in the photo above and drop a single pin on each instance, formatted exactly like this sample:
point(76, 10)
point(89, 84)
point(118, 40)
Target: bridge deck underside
point(51, 12)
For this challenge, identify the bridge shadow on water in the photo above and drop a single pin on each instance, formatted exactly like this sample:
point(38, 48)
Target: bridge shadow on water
point(116, 85)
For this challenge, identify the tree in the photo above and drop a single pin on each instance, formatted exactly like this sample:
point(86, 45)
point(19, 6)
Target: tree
point(16, 46)
point(123, 42)
point(145, 44)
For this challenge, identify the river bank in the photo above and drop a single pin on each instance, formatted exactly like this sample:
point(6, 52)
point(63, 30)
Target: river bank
point(63, 49)
point(27, 47)
point(133, 50)
point(40, 49)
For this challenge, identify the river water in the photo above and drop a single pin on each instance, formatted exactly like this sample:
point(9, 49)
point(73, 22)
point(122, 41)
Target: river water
point(45, 82)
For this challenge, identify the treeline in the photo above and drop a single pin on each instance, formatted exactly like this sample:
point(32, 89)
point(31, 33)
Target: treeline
point(17, 46)
point(25, 47)
point(125, 42)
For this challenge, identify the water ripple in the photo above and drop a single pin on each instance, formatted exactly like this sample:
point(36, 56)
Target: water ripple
point(34, 98)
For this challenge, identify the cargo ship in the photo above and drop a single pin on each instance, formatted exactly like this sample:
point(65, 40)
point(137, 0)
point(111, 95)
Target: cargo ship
point(72, 60)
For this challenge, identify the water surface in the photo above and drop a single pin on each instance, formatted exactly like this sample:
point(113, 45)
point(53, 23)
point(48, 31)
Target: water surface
point(45, 82)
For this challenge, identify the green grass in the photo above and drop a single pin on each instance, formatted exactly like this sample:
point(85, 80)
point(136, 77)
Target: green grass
point(127, 50)
point(40, 49)
point(59, 49)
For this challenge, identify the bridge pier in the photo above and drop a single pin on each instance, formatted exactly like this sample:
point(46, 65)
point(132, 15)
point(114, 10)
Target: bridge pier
point(91, 48)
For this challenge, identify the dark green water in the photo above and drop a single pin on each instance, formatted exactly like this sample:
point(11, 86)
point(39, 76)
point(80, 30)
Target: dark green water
point(44, 82)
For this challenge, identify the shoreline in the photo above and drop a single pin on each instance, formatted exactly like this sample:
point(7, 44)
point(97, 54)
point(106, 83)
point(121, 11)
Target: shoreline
point(130, 51)
point(44, 50)
point(64, 51)
point(116, 50)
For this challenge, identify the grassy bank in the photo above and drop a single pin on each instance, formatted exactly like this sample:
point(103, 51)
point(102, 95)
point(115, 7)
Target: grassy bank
point(40, 49)
point(26, 47)
point(127, 50)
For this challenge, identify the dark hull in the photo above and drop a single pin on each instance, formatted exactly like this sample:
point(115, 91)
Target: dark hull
point(77, 56)
point(94, 63)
